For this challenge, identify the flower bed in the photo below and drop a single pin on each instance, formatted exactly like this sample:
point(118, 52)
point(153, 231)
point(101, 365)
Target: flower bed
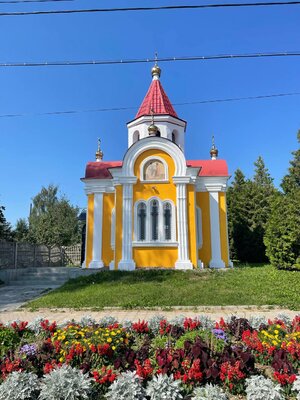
point(159, 359)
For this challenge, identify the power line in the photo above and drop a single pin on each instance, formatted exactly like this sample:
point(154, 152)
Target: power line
point(136, 107)
point(147, 60)
point(33, 1)
point(157, 8)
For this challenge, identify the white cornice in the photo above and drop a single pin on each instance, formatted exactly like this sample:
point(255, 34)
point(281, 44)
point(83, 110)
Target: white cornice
point(98, 185)
point(158, 118)
point(211, 183)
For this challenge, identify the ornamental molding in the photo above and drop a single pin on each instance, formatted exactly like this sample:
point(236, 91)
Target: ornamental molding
point(151, 143)
point(98, 186)
point(211, 183)
point(154, 158)
point(158, 118)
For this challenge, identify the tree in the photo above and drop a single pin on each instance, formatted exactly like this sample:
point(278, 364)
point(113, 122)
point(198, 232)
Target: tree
point(21, 230)
point(292, 180)
point(53, 220)
point(248, 211)
point(282, 238)
point(5, 228)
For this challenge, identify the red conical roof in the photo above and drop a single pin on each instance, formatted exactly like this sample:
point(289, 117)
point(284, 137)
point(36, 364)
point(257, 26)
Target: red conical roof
point(156, 102)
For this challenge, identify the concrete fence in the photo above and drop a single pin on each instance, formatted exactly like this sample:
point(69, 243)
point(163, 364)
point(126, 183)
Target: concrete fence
point(15, 255)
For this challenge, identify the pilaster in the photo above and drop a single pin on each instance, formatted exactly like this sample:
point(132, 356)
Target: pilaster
point(97, 262)
point(216, 260)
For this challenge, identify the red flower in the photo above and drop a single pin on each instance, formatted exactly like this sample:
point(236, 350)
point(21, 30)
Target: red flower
point(19, 327)
point(191, 324)
point(221, 324)
point(47, 327)
point(284, 379)
point(140, 326)
point(106, 376)
point(143, 370)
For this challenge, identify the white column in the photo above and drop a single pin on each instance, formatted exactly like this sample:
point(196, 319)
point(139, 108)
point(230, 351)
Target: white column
point(216, 260)
point(97, 234)
point(127, 263)
point(183, 261)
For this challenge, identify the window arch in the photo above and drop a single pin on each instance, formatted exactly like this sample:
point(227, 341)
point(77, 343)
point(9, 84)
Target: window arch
point(135, 137)
point(154, 221)
point(142, 221)
point(154, 211)
point(154, 169)
point(167, 210)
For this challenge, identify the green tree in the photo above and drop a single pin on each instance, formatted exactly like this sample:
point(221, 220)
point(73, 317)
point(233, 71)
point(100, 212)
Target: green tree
point(21, 230)
point(249, 203)
point(53, 220)
point(282, 237)
point(292, 180)
point(5, 228)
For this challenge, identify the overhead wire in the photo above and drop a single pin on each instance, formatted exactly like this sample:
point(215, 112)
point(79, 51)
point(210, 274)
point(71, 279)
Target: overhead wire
point(33, 1)
point(259, 97)
point(153, 8)
point(147, 60)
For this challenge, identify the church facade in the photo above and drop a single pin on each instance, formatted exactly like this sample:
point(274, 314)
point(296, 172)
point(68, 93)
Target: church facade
point(155, 209)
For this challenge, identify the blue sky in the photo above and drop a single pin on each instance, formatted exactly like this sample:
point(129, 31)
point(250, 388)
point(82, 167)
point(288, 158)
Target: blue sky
point(39, 150)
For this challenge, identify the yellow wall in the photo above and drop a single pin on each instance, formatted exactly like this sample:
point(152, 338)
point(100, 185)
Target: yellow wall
point(203, 203)
point(90, 230)
point(192, 225)
point(223, 228)
point(119, 224)
point(163, 256)
point(108, 205)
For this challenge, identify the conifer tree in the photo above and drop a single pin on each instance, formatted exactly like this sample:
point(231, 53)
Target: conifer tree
point(5, 228)
point(282, 237)
point(21, 230)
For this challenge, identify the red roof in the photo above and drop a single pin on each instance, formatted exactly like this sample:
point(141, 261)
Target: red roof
point(156, 101)
point(100, 170)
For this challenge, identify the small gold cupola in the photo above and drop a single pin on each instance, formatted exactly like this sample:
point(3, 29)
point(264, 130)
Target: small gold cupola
point(213, 151)
point(152, 129)
point(99, 152)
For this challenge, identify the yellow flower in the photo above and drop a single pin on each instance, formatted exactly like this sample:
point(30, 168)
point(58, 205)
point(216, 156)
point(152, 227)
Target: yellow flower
point(61, 359)
point(113, 347)
point(109, 340)
point(276, 331)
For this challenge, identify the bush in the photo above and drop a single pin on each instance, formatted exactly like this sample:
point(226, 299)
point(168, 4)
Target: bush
point(282, 237)
point(20, 386)
point(259, 388)
point(65, 383)
point(127, 387)
point(209, 392)
point(163, 387)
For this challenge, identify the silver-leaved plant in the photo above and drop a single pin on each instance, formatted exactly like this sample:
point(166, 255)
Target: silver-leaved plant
point(127, 386)
point(154, 323)
point(296, 387)
point(163, 387)
point(209, 392)
point(65, 383)
point(259, 387)
point(107, 320)
point(20, 386)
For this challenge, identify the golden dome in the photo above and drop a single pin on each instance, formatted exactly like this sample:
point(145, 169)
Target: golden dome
point(156, 71)
point(214, 151)
point(152, 129)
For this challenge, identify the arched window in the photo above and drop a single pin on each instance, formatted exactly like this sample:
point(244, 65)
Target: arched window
point(136, 137)
point(173, 137)
point(167, 221)
point(142, 214)
point(157, 134)
point(154, 211)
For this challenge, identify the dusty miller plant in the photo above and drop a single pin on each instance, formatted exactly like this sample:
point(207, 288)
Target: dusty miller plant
point(285, 318)
point(35, 325)
point(128, 386)
point(65, 383)
point(20, 386)
point(296, 387)
point(206, 322)
point(127, 324)
point(259, 387)
point(209, 392)
point(178, 320)
point(87, 320)
point(257, 320)
point(154, 323)
point(107, 320)
point(163, 387)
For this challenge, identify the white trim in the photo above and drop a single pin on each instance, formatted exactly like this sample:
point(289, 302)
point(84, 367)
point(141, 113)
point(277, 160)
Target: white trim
point(153, 158)
point(113, 228)
point(211, 183)
point(216, 260)
point(158, 118)
point(161, 241)
point(150, 143)
point(199, 227)
point(155, 244)
point(97, 234)
point(98, 185)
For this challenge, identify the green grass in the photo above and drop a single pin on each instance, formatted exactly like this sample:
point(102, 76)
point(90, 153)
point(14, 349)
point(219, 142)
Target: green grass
point(245, 285)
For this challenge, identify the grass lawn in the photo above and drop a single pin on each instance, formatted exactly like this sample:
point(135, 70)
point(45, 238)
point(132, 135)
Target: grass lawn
point(244, 285)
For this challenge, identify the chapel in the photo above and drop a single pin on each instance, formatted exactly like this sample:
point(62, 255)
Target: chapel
point(155, 208)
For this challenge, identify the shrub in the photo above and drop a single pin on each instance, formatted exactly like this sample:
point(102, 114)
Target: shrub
point(9, 338)
point(65, 383)
point(209, 392)
point(282, 237)
point(127, 387)
point(296, 387)
point(20, 386)
point(163, 387)
point(259, 388)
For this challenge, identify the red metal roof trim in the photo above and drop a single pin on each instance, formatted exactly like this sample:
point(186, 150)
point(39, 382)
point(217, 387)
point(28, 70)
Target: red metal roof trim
point(100, 170)
point(157, 100)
